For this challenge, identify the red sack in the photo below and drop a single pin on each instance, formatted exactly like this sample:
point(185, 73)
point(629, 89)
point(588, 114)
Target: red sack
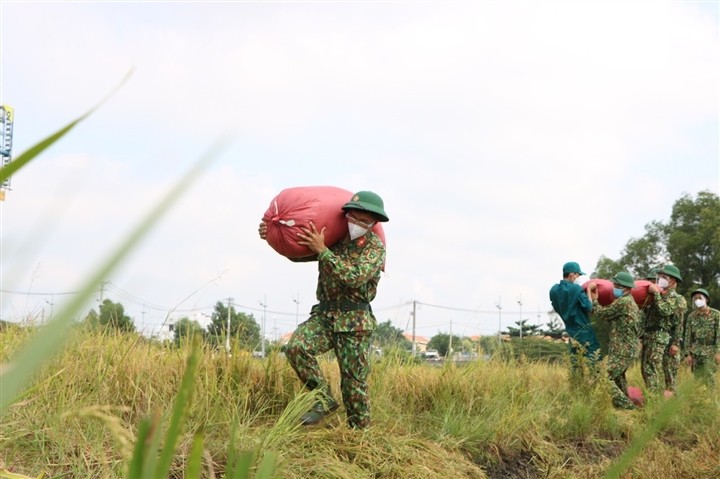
point(297, 206)
point(605, 291)
point(635, 394)
point(640, 292)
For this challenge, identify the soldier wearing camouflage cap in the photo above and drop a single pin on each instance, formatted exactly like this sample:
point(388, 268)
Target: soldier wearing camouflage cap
point(662, 335)
point(702, 337)
point(342, 320)
point(624, 317)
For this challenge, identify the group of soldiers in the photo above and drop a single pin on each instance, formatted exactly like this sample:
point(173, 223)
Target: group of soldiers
point(662, 326)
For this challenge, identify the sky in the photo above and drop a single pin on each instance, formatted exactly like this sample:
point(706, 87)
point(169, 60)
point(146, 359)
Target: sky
point(505, 137)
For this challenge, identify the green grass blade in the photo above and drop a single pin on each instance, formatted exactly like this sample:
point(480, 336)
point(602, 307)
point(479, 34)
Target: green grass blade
point(145, 430)
point(179, 413)
point(26, 156)
point(669, 409)
point(53, 335)
point(5, 474)
point(241, 467)
point(151, 448)
point(267, 466)
point(194, 461)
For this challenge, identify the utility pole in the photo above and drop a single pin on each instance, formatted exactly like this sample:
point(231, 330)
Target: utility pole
point(414, 343)
point(227, 335)
point(296, 300)
point(262, 335)
point(499, 307)
point(520, 303)
point(449, 351)
point(102, 290)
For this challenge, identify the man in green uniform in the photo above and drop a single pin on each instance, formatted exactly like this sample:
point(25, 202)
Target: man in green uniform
point(662, 336)
point(342, 321)
point(573, 305)
point(624, 316)
point(652, 277)
point(702, 337)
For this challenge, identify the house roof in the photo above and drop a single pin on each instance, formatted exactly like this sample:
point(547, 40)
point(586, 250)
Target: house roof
point(418, 339)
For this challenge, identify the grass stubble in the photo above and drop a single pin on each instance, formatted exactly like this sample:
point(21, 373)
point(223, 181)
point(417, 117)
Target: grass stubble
point(492, 418)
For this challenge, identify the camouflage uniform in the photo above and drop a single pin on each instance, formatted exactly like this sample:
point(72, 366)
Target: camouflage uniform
point(343, 321)
point(663, 328)
point(702, 342)
point(624, 317)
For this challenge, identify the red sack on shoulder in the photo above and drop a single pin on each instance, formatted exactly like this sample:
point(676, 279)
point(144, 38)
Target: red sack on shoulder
point(605, 291)
point(297, 206)
point(640, 292)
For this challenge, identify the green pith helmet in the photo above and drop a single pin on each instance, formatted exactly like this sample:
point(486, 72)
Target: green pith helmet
point(702, 291)
point(671, 270)
point(367, 201)
point(623, 278)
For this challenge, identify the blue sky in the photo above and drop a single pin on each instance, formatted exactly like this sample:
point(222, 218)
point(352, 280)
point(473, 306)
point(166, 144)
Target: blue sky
point(505, 137)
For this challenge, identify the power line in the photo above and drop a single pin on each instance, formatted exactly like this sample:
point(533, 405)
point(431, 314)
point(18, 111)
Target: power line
point(31, 293)
point(131, 298)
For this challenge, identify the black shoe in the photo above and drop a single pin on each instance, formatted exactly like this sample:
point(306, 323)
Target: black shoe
point(318, 412)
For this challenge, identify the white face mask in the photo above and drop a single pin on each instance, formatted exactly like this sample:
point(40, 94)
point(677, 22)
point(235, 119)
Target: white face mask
point(700, 303)
point(663, 283)
point(356, 231)
point(580, 280)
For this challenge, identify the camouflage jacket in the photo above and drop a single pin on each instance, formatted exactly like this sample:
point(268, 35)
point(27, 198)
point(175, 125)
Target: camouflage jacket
point(666, 313)
point(349, 271)
point(702, 332)
point(624, 317)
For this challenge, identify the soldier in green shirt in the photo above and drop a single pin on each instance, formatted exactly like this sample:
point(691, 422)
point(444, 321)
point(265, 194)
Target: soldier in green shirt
point(624, 317)
point(702, 337)
point(342, 320)
point(663, 330)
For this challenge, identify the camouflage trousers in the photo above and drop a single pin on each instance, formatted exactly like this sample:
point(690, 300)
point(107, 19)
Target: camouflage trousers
point(704, 367)
point(352, 349)
point(656, 360)
point(617, 367)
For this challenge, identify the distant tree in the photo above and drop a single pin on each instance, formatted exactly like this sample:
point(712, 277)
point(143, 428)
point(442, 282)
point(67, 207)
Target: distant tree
point(527, 329)
point(243, 327)
point(693, 241)
point(187, 328)
point(465, 345)
point(111, 317)
point(642, 255)
point(386, 335)
point(441, 342)
point(555, 327)
point(690, 239)
point(490, 344)
point(606, 268)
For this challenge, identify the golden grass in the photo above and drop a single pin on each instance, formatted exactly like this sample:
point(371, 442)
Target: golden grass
point(491, 419)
